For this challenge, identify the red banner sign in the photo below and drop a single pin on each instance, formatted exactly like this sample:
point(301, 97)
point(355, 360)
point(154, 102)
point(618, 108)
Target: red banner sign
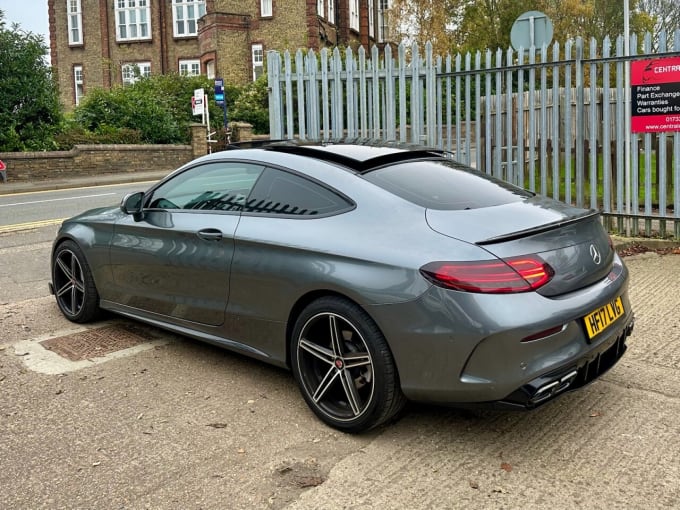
point(655, 95)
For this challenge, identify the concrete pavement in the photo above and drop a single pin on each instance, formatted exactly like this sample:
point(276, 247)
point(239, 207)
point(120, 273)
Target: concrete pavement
point(185, 425)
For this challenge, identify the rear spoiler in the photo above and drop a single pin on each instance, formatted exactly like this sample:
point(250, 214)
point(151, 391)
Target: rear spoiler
point(539, 229)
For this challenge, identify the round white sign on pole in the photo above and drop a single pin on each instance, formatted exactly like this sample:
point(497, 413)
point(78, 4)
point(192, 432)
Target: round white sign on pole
point(533, 28)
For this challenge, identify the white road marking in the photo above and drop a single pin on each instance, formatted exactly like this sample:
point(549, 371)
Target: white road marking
point(57, 199)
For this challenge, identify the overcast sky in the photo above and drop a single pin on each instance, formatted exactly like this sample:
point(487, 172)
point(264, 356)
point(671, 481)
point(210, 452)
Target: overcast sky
point(30, 14)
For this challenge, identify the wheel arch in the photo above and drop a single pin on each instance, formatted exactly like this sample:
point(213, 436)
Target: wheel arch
point(61, 240)
point(84, 236)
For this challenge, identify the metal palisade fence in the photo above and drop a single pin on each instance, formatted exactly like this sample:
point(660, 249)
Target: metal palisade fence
point(550, 119)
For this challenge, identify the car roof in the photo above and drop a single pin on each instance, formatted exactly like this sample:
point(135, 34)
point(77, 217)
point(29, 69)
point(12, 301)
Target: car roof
point(358, 154)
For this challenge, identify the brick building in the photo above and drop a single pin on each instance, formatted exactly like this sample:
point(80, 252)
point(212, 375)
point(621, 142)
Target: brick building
point(100, 43)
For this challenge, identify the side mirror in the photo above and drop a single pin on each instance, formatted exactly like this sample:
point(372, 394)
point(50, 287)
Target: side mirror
point(133, 203)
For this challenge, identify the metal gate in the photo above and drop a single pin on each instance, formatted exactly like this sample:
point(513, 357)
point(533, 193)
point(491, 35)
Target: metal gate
point(550, 119)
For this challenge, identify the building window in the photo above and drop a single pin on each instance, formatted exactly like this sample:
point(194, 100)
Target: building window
point(383, 20)
point(78, 83)
point(190, 67)
point(210, 69)
point(258, 60)
point(266, 8)
point(354, 14)
point(75, 22)
point(320, 8)
point(331, 11)
point(186, 14)
point(132, 18)
point(371, 18)
point(134, 72)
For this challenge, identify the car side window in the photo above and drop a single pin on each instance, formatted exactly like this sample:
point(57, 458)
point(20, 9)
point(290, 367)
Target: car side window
point(280, 192)
point(215, 186)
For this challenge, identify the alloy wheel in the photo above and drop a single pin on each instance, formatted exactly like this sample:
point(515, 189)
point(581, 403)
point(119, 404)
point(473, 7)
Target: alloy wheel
point(335, 366)
point(69, 283)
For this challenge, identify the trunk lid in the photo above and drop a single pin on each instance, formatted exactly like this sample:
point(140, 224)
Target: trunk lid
point(571, 240)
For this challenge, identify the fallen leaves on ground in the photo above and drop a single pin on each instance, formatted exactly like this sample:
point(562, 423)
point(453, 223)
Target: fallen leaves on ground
point(638, 248)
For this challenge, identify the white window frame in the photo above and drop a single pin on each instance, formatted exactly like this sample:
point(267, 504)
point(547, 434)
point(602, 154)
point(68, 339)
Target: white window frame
point(354, 15)
point(210, 69)
point(192, 67)
point(383, 20)
point(74, 14)
point(331, 11)
point(133, 20)
point(320, 8)
point(371, 18)
point(78, 90)
point(257, 58)
point(266, 9)
point(129, 75)
point(185, 16)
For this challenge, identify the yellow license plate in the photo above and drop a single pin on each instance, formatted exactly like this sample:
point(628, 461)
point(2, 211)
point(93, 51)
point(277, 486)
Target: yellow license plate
point(602, 318)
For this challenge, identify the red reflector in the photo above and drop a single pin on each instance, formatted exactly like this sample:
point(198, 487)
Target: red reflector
point(543, 334)
point(517, 274)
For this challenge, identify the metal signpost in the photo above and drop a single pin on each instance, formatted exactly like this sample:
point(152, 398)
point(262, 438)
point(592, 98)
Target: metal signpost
point(199, 107)
point(221, 100)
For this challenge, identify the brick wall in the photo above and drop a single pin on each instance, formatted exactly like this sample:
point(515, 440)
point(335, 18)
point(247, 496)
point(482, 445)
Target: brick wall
point(84, 160)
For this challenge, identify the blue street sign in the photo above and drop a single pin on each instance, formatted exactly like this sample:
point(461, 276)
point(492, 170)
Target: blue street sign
point(221, 101)
point(219, 92)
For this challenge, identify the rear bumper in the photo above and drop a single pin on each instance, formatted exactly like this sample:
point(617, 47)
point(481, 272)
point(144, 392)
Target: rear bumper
point(571, 377)
point(464, 349)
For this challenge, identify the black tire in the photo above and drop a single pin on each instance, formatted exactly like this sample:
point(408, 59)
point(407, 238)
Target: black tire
point(74, 287)
point(343, 366)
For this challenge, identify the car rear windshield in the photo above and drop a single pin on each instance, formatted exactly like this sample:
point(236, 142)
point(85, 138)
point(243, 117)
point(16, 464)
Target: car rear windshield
point(445, 185)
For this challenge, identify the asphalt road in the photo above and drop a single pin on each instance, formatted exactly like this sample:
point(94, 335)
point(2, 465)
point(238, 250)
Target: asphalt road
point(43, 206)
point(28, 223)
point(175, 424)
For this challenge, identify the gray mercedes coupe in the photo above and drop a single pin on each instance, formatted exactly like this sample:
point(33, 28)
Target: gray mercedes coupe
point(376, 272)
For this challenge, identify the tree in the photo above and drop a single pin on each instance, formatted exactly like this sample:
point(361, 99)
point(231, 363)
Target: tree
point(472, 25)
point(30, 113)
point(427, 21)
point(486, 24)
point(665, 15)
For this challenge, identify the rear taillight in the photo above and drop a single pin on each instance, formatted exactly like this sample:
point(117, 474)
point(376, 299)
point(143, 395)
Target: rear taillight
point(500, 276)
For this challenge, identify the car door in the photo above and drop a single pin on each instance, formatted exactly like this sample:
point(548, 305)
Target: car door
point(283, 220)
point(175, 260)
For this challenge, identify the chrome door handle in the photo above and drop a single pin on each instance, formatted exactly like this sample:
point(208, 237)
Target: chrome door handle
point(210, 234)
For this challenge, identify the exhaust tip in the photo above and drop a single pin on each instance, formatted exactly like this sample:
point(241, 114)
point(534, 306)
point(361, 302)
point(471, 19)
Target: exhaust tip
point(554, 387)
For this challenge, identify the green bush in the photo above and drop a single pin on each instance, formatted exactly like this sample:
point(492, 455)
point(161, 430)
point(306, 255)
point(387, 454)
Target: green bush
point(252, 106)
point(157, 109)
point(73, 134)
point(132, 108)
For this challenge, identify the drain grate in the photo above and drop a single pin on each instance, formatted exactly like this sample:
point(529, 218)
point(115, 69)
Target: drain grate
point(99, 342)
